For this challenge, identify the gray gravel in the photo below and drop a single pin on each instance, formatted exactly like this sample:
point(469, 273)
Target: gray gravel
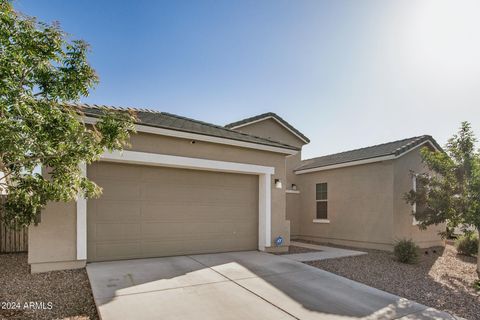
point(68, 291)
point(442, 280)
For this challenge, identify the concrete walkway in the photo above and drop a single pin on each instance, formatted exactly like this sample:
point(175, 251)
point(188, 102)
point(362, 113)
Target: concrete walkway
point(323, 253)
point(238, 285)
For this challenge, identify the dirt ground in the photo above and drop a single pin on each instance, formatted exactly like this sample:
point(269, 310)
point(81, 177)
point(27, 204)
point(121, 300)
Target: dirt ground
point(50, 295)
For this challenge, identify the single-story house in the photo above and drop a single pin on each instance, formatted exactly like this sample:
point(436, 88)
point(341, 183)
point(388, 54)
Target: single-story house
point(189, 187)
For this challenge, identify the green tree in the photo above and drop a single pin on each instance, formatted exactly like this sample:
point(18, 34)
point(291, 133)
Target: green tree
point(41, 71)
point(451, 193)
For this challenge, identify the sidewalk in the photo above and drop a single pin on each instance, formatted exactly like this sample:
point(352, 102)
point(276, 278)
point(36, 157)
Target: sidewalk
point(323, 253)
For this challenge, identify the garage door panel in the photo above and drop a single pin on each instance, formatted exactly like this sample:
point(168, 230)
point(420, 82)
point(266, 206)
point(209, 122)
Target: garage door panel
point(156, 211)
point(173, 176)
point(108, 210)
point(118, 250)
point(194, 194)
point(195, 230)
point(119, 190)
point(186, 212)
point(117, 231)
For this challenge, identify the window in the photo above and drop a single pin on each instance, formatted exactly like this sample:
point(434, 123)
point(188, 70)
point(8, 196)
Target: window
point(322, 201)
point(418, 207)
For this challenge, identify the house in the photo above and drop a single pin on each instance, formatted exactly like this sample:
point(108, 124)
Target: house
point(352, 198)
point(190, 187)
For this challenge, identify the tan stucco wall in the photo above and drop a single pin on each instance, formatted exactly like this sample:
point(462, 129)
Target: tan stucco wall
point(54, 239)
point(52, 243)
point(271, 129)
point(366, 205)
point(293, 199)
point(402, 215)
point(293, 214)
point(292, 162)
point(360, 206)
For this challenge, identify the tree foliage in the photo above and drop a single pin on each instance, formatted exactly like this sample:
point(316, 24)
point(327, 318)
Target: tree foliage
point(467, 244)
point(41, 72)
point(451, 192)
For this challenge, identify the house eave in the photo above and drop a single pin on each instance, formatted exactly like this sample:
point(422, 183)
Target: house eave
point(273, 118)
point(203, 137)
point(365, 161)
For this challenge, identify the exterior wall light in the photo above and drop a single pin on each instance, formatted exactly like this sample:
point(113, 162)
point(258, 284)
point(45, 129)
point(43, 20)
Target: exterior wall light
point(278, 184)
point(294, 186)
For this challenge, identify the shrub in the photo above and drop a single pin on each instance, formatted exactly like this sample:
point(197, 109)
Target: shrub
point(476, 285)
point(406, 251)
point(467, 244)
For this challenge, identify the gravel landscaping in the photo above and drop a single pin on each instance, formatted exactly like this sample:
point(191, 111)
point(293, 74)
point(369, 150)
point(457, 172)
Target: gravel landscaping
point(442, 280)
point(295, 249)
point(68, 292)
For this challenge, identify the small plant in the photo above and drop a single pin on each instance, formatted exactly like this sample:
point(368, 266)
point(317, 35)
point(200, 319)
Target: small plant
point(467, 244)
point(406, 251)
point(476, 285)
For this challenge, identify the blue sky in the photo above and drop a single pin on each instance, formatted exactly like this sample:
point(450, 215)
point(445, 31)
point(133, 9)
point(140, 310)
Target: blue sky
point(346, 73)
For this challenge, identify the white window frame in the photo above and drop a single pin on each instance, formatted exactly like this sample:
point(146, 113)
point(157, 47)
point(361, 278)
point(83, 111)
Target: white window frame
point(414, 205)
point(316, 220)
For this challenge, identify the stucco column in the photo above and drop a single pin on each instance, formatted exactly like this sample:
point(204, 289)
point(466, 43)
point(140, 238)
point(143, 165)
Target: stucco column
point(82, 221)
point(264, 211)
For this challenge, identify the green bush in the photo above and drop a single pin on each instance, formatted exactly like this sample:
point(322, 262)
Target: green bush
point(406, 251)
point(476, 285)
point(467, 244)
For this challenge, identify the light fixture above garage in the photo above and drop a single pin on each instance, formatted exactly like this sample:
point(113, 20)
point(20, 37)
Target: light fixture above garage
point(278, 184)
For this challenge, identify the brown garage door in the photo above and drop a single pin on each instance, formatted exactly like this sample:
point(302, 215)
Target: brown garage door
point(149, 211)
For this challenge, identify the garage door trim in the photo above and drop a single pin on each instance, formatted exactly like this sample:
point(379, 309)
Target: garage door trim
point(163, 160)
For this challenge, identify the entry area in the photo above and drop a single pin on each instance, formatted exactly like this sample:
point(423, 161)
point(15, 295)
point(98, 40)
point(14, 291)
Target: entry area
point(152, 211)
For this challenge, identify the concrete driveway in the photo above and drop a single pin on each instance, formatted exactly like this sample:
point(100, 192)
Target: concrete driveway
point(238, 285)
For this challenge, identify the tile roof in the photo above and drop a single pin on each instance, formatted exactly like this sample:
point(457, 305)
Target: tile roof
point(266, 116)
point(153, 118)
point(394, 148)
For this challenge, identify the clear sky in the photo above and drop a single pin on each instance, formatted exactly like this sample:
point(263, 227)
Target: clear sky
point(347, 74)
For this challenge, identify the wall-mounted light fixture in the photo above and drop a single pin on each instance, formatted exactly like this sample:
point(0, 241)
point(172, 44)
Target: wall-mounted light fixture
point(278, 184)
point(294, 186)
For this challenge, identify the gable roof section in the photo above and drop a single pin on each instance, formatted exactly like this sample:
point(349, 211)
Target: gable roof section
point(265, 116)
point(164, 120)
point(381, 152)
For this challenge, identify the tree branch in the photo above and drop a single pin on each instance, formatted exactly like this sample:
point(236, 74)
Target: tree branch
point(5, 176)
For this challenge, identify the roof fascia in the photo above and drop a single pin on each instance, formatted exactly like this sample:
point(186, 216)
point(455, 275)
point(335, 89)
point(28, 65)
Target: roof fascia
point(366, 161)
point(201, 137)
point(270, 117)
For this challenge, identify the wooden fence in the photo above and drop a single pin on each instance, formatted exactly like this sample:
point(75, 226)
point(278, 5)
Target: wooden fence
point(11, 240)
